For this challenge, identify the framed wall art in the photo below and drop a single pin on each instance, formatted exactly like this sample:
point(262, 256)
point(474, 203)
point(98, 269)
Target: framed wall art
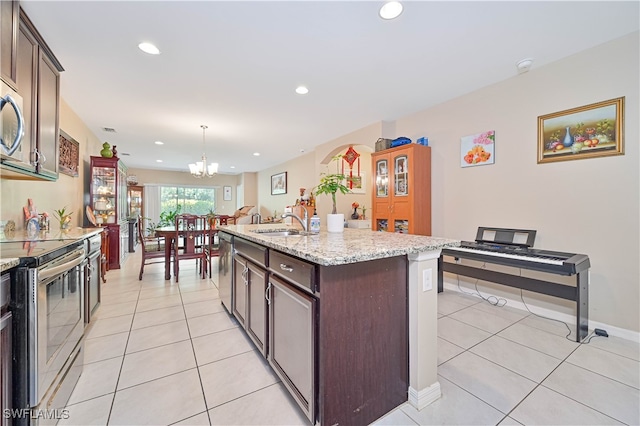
point(279, 183)
point(69, 158)
point(594, 130)
point(226, 194)
point(357, 184)
point(478, 149)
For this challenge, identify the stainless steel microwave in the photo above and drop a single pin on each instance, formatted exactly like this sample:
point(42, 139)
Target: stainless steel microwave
point(11, 126)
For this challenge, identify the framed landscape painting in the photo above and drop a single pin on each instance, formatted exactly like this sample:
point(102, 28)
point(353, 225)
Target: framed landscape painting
point(589, 131)
point(279, 183)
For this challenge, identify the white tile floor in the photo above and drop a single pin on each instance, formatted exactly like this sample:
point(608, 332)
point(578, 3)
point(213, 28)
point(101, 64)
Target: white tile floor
point(161, 353)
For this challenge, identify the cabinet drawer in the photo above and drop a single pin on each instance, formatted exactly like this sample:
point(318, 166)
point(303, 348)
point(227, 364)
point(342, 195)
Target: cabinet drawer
point(295, 270)
point(254, 252)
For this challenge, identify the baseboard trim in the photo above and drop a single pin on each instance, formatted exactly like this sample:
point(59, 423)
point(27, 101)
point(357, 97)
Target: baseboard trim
point(420, 399)
point(560, 316)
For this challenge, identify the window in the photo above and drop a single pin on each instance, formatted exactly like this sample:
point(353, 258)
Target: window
point(191, 200)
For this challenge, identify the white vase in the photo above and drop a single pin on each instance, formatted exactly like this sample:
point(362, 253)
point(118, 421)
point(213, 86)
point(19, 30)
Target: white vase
point(335, 222)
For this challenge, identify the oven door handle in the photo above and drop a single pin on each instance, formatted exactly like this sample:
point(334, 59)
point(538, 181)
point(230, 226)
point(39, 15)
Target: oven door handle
point(78, 258)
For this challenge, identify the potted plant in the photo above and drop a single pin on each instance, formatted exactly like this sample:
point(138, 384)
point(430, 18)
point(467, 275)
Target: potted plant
point(211, 218)
point(64, 217)
point(330, 184)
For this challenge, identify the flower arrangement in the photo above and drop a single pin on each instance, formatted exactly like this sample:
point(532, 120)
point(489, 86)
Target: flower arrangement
point(355, 206)
point(64, 217)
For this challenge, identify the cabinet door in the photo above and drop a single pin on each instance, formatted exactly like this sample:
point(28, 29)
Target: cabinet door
point(381, 196)
point(48, 107)
point(8, 38)
point(240, 283)
point(401, 202)
point(26, 70)
point(292, 316)
point(256, 316)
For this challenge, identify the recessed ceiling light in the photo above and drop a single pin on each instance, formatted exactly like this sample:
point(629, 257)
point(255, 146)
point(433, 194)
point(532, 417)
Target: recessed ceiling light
point(301, 90)
point(232, 167)
point(257, 154)
point(149, 48)
point(158, 161)
point(159, 143)
point(391, 10)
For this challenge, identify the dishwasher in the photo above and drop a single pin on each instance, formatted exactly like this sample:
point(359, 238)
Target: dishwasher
point(225, 269)
point(6, 376)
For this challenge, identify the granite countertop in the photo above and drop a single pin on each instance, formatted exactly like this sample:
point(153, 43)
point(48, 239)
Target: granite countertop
point(6, 264)
point(70, 234)
point(351, 246)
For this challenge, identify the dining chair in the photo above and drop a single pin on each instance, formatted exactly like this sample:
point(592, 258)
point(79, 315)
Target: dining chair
point(190, 242)
point(152, 249)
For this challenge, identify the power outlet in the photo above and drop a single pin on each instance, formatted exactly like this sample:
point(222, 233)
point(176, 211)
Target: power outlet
point(427, 284)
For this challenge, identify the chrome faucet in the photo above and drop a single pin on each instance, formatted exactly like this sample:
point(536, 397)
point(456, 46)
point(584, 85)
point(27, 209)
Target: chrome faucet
point(256, 218)
point(303, 222)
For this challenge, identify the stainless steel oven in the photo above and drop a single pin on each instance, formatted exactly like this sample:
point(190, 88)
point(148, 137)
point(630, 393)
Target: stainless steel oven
point(48, 306)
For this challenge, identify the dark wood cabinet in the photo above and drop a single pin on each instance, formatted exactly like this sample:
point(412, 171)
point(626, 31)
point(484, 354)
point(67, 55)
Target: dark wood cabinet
point(250, 284)
point(9, 12)
point(108, 200)
point(239, 288)
point(36, 77)
point(337, 336)
point(292, 337)
point(47, 129)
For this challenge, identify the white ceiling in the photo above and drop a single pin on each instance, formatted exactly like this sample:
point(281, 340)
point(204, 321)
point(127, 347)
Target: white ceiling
point(234, 66)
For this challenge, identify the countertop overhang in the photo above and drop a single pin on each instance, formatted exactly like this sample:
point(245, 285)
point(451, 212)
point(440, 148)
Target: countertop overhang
point(350, 246)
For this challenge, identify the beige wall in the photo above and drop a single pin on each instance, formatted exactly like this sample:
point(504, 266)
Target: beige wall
point(147, 177)
point(304, 172)
point(583, 206)
point(66, 192)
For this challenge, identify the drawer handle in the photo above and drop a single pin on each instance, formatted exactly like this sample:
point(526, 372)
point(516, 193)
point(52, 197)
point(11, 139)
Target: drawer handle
point(286, 267)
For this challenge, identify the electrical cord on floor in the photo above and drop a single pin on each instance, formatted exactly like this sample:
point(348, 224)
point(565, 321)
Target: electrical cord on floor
point(500, 302)
point(492, 300)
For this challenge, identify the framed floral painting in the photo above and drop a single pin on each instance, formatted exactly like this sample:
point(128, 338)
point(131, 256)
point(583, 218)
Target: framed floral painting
point(478, 149)
point(589, 131)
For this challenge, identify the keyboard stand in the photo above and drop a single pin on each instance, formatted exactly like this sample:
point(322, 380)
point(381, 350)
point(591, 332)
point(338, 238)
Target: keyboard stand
point(578, 294)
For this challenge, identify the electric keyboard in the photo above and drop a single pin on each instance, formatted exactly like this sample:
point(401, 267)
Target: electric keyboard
point(521, 257)
point(513, 247)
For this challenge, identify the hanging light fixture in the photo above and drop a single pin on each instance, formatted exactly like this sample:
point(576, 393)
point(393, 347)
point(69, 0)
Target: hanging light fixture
point(200, 168)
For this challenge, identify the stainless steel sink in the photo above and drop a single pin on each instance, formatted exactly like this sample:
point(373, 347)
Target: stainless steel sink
point(281, 234)
point(289, 233)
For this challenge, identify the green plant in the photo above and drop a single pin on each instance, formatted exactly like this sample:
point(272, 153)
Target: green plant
point(211, 217)
point(150, 230)
point(330, 184)
point(168, 218)
point(63, 216)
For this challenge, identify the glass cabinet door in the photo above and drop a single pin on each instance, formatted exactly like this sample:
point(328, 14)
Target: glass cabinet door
point(103, 188)
point(135, 202)
point(400, 176)
point(382, 178)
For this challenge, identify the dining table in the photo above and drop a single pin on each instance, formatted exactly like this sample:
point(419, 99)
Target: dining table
point(169, 234)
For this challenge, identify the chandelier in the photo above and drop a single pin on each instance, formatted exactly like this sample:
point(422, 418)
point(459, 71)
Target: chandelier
point(200, 168)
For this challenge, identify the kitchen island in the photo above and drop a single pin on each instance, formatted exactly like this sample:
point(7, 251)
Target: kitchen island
point(347, 321)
